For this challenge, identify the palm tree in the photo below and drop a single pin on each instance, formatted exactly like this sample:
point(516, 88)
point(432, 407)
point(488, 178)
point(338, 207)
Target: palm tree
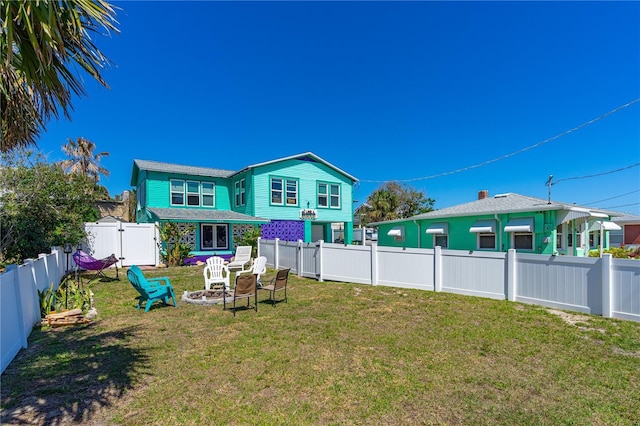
point(83, 161)
point(41, 42)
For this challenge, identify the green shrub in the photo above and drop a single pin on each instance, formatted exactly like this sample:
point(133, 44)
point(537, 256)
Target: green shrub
point(618, 252)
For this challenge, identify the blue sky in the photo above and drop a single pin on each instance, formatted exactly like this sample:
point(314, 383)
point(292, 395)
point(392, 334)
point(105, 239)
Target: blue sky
point(383, 90)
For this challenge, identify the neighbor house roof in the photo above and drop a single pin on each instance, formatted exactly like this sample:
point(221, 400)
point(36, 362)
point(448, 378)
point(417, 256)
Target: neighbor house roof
point(500, 204)
point(631, 219)
point(201, 215)
point(306, 156)
point(157, 166)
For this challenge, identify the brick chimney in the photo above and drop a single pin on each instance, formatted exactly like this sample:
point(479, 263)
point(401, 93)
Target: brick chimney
point(483, 194)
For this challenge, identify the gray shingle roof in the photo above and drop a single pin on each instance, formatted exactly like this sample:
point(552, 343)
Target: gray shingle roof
point(222, 216)
point(501, 203)
point(178, 168)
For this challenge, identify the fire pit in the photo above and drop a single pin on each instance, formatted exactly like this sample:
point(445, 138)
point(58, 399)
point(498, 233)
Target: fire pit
point(206, 297)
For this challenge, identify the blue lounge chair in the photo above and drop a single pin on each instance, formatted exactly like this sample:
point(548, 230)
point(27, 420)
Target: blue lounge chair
point(151, 289)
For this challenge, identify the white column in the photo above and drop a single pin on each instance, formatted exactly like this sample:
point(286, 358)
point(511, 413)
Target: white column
point(276, 253)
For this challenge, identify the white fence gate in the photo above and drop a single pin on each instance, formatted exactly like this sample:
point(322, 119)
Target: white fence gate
point(132, 243)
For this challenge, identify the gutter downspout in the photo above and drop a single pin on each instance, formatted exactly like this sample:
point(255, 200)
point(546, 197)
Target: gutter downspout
point(501, 248)
point(418, 225)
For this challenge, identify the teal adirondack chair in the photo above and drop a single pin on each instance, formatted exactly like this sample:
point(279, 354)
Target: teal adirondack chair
point(151, 289)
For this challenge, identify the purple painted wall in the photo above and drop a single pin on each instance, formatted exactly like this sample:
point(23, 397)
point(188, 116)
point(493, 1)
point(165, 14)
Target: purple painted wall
point(286, 230)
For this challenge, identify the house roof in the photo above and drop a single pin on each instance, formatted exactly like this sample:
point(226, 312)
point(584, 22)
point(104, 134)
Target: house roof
point(157, 166)
point(500, 204)
point(626, 219)
point(202, 215)
point(305, 156)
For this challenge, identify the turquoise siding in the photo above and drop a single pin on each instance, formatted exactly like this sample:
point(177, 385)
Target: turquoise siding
point(461, 239)
point(307, 174)
point(158, 190)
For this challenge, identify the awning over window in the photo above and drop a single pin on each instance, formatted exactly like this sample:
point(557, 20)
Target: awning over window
point(520, 224)
point(484, 226)
point(396, 231)
point(438, 228)
point(575, 213)
point(607, 226)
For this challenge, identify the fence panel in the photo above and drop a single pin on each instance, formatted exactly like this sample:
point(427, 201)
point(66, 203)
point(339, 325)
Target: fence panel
point(474, 273)
point(288, 255)
point(572, 283)
point(310, 260)
point(11, 338)
point(626, 289)
point(103, 239)
point(267, 248)
point(346, 263)
point(407, 268)
point(139, 244)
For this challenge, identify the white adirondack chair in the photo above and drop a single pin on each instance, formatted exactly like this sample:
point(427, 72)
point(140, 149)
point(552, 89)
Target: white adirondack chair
point(216, 272)
point(258, 268)
point(242, 257)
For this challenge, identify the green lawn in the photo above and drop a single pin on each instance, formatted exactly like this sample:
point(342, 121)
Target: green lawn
point(335, 354)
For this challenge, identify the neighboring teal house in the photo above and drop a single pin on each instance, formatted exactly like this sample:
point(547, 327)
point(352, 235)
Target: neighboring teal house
point(502, 222)
point(292, 198)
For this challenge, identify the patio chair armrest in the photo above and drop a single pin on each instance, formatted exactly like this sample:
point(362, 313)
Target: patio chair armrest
point(164, 280)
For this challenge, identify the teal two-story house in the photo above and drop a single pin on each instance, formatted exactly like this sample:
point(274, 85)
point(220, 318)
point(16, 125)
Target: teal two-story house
point(292, 198)
point(503, 222)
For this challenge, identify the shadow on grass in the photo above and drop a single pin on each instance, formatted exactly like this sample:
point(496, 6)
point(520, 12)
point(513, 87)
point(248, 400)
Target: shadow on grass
point(68, 375)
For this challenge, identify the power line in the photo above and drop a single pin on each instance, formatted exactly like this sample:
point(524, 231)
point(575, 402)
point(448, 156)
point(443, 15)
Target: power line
point(597, 174)
point(623, 205)
point(611, 198)
point(520, 151)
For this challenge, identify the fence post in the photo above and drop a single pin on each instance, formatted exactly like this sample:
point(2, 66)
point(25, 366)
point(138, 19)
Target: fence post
point(512, 285)
point(258, 244)
point(437, 268)
point(607, 283)
point(299, 258)
point(374, 263)
point(319, 245)
point(276, 253)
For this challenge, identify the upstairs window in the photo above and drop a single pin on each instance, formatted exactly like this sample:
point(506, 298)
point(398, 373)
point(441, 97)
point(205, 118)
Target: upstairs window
point(276, 191)
point(284, 191)
point(329, 195)
point(193, 193)
point(177, 192)
point(239, 189)
point(208, 194)
point(292, 192)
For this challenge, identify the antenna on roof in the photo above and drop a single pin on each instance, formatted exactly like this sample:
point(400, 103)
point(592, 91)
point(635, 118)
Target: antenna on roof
point(549, 183)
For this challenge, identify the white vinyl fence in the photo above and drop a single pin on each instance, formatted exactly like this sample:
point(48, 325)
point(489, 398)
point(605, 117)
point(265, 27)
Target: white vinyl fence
point(132, 243)
point(601, 286)
point(19, 302)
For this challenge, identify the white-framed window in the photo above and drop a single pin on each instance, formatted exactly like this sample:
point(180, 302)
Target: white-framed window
point(559, 240)
point(177, 192)
point(193, 193)
point(208, 194)
point(214, 236)
point(441, 240)
point(239, 190)
point(486, 241)
point(276, 191)
point(291, 186)
point(329, 195)
point(522, 240)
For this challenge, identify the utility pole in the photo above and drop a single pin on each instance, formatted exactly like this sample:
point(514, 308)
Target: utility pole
point(549, 183)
